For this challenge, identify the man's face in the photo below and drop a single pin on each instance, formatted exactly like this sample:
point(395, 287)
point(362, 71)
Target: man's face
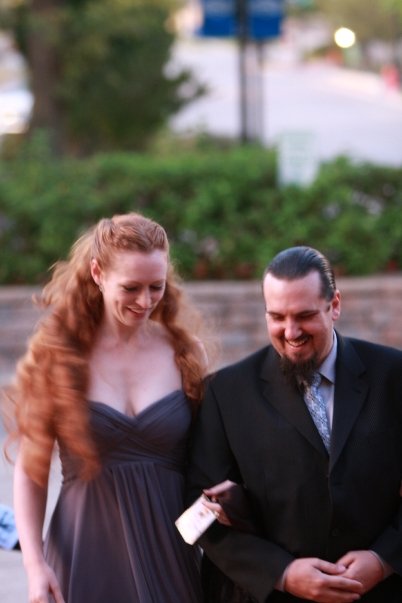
point(299, 320)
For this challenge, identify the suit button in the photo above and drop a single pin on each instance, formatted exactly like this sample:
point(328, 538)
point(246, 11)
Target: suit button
point(335, 532)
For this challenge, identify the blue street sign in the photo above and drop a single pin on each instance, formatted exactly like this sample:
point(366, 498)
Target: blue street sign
point(219, 18)
point(263, 18)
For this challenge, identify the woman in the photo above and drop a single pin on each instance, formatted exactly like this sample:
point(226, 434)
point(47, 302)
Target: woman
point(112, 376)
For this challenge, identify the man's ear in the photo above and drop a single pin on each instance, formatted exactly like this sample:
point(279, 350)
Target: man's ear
point(336, 305)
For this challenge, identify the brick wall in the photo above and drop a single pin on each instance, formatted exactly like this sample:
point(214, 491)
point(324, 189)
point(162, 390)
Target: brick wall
point(371, 309)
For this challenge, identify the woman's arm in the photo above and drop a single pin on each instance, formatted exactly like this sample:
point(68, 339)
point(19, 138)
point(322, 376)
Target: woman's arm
point(30, 506)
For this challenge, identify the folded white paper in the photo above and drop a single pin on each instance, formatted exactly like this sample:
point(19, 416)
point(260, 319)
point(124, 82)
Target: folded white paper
point(194, 521)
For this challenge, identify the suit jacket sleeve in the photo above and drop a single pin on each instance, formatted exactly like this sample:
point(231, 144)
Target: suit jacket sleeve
point(251, 561)
point(374, 445)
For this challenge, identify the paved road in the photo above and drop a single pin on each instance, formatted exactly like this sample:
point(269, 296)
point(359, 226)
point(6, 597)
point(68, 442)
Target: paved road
point(13, 585)
point(346, 111)
point(12, 578)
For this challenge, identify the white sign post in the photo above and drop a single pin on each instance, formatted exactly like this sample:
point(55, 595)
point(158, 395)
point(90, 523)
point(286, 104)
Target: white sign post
point(297, 162)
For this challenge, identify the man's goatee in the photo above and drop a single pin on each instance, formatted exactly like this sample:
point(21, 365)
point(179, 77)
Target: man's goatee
point(299, 372)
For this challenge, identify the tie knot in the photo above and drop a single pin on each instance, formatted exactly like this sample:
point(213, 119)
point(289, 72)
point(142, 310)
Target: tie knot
point(316, 380)
point(313, 382)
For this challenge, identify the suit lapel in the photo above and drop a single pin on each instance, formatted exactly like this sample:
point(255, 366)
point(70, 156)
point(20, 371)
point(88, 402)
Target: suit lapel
point(351, 388)
point(287, 400)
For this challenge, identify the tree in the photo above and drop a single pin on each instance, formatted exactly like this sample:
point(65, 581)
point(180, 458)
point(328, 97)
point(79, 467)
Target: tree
point(98, 70)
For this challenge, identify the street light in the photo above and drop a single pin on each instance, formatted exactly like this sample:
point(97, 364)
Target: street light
point(344, 37)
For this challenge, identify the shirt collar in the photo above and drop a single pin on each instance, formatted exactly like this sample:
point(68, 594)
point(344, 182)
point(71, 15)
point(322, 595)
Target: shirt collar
point(327, 368)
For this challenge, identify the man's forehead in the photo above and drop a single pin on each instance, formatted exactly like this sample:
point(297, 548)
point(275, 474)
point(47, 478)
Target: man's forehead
point(306, 286)
point(296, 296)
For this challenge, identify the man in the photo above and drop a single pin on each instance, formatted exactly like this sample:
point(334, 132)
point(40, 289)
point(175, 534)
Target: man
point(326, 507)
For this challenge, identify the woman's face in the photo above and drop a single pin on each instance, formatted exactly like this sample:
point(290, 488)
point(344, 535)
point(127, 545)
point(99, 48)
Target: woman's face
point(132, 286)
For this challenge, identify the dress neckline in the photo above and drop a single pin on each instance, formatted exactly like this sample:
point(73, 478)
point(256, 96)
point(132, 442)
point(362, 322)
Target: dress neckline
point(141, 412)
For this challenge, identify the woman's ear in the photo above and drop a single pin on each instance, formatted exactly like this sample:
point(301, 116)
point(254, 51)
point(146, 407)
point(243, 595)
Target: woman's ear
point(96, 271)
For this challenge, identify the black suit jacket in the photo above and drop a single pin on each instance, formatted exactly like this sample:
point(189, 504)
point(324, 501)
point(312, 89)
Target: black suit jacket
point(254, 428)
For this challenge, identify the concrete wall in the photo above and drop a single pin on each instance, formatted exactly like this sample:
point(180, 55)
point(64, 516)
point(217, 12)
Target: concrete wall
point(371, 309)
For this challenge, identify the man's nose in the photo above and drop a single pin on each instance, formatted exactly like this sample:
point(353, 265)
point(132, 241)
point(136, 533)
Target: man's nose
point(292, 329)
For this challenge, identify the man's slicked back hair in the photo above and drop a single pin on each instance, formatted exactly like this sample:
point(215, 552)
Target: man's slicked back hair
point(298, 262)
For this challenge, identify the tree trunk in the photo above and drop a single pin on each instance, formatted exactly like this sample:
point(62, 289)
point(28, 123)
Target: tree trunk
point(45, 70)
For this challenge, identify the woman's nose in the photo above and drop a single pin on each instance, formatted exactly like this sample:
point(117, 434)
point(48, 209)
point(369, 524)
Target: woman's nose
point(144, 299)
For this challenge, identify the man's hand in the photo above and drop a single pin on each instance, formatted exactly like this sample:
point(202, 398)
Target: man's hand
point(364, 567)
point(321, 581)
point(213, 504)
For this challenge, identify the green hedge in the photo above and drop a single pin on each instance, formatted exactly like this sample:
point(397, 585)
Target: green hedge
point(222, 208)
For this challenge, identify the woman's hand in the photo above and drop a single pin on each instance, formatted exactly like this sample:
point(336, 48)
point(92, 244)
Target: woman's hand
point(211, 502)
point(42, 583)
point(30, 506)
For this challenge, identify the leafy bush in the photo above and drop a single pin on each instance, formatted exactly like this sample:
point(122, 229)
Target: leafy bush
point(222, 208)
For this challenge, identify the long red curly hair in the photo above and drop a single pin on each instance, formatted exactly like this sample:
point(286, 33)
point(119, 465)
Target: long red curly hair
point(48, 396)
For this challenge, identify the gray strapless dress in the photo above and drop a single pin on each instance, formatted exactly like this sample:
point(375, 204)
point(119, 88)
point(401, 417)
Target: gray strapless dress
point(113, 539)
